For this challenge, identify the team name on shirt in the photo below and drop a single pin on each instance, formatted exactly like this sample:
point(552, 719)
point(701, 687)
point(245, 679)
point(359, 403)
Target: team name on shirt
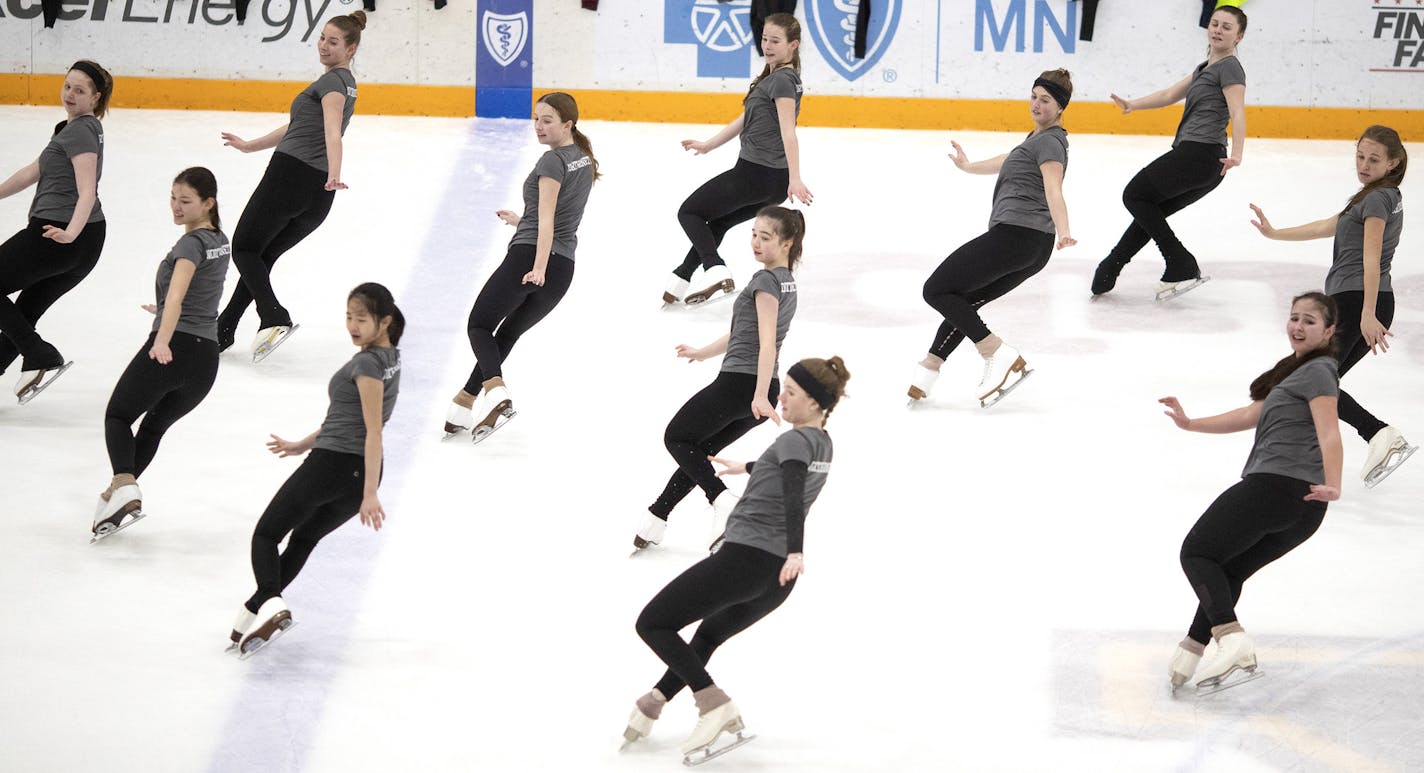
point(579, 164)
point(391, 372)
point(821, 467)
point(1399, 208)
point(788, 287)
point(351, 91)
point(220, 252)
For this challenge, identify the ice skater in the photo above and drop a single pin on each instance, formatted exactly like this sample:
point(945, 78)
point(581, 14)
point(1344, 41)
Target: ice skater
point(740, 397)
point(768, 169)
point(65, 235)
point(341, 476)
point(1198, 161)
point(537, 269)
point(753, 571)
point(1028, 210)
point(175, 368)
point(1366, 233)
point(1293, 470)
point(298, 188)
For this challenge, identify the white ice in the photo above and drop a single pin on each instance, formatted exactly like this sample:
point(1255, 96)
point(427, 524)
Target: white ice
point(986, 590)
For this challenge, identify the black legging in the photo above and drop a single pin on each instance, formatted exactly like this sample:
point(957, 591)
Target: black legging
point(1164, 187)
point(506, 309)
point(322, 494)
point(289, 203)
point(162, 394)
point(709, 422)
point(42, 271)
point(728, 591)
point(1250, 525)
point(732, 197)
point(1353, 348)
point(984, 269)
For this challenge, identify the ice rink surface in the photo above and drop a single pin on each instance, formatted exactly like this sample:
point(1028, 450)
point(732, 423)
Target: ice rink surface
point(986, 590)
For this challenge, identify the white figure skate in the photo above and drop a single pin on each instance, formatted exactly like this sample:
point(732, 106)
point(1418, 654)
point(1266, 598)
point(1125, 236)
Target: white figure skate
point(1004, 370)
point(123, 509)
point(239, 627)
point(500, 410)
point(1183, 664)
point(718, 285)
point(702, 746)
point(32, 382)
point(1388, 450)
point(1166, 291)
point(650, 533)
point(1233, 664)
point(674, 292)
point(272, 620)
point(458, 419)
point(921, 383)
point(269, 338)
point(646, 711)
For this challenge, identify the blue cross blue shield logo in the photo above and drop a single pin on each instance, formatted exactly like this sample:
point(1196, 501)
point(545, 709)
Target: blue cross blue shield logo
point(722, 32)
point(832, 26)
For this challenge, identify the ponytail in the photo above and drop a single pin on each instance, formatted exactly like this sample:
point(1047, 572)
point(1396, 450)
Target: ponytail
point(790, 224)
point(380, 304)
point(1394, 150)
point(792, 27)
point(831, 376)
point(567, 108)
point(1267, 381)
point(203, 183)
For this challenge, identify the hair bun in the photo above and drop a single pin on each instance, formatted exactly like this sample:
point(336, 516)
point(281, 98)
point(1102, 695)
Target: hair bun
point(360, 18)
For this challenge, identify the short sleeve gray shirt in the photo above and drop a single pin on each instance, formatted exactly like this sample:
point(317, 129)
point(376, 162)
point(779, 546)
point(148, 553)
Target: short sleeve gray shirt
point(305, 139)
point(759, 518)
point(1347, 270)
point(57, 192)
point(761, 128)
point(1206, 114)
point(210, 253)
point(572, 169)
point(744, 343)
point(1286, 442)
point(1018, 195)
point(344, 430)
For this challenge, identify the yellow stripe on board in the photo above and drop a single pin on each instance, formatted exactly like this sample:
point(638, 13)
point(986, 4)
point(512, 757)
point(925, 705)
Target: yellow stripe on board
point(694, 107)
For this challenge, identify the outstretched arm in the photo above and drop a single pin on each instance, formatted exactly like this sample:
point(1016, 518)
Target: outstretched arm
point(1240, 419)
point(988, 166)
point(1317, 230)
point(706, 146)
point(23, 178)
point(1170, 95)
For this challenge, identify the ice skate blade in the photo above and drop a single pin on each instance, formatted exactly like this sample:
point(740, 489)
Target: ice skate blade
point(718, 292)
point(1392, 462)
point(1003, 392)
point(481, 431)
point(1182, 288)
point(107, 529)
point(257, 645)
point(1229, 680)
point(451, 430)
point(262, 352)
point(707, 753)
point(47, 377)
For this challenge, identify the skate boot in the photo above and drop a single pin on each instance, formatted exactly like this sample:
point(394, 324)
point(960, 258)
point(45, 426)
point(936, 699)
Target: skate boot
point(37, 378)
point(1166, 291)
point(722, 508)
point(921, 383)
point(717, 715)
point(1184, 663)
point(239, 627)
point(271, 621)
point(1388, 450)
point(459, 418)
point(269, 338)
point(1004, 370)
point(719, 285)
point(1105, 277)
point(1234, 662)
point(676, 289)
point(500, 410)
point(120, 507)
point(646, 711)
point(649, 533)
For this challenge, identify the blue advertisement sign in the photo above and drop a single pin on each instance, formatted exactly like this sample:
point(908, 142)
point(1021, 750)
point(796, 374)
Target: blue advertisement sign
point(832, 27)
point(722, 32)
point(504, 60)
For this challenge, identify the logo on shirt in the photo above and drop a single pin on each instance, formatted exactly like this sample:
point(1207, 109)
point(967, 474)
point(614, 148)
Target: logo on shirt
point(833, 25)
point(722, 32)
point(219, 252)
point(821, 467)
point(351, 91)
point(505, 35)
point(391, 372)
point(579, 164)
point(788, 287)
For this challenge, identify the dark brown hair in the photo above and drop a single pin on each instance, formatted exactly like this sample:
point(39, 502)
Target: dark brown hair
point(790, 224)
point(1061, 78)
point(832, 375)
point(380, 303)
point(567, 108)
point(1394, 150)
point(1239, 14)
point(350, 26)
point(1267, 381)
point(203, 183)
point(792, 27)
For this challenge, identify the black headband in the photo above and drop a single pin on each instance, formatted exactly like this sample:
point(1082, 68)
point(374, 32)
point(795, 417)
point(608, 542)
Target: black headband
point(824, 397)
point(96, 75)
point(1054, 90)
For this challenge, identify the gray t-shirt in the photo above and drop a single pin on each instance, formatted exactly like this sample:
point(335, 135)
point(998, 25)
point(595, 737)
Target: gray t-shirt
point(743, 344)
point(209, 252)
point(1286, 443)
point(57, 193)
point(1018, 195)
point(1347, 271)
point(305, 139)
point(573, 171)
point(344, 430)
point(1205, 117)
point(761, 129)
point(759, 518)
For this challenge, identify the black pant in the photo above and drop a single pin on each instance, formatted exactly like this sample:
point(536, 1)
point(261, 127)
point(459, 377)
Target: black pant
point(41, 270)
point(162, 394)
point(732, 197)
point(1353, 348)
point(323, 493)
point(289, 203)
point(506, 308)
point(1164, 187)
point(984, 269)
point(1250, 525)
point(728, 591)
point(704, 425)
